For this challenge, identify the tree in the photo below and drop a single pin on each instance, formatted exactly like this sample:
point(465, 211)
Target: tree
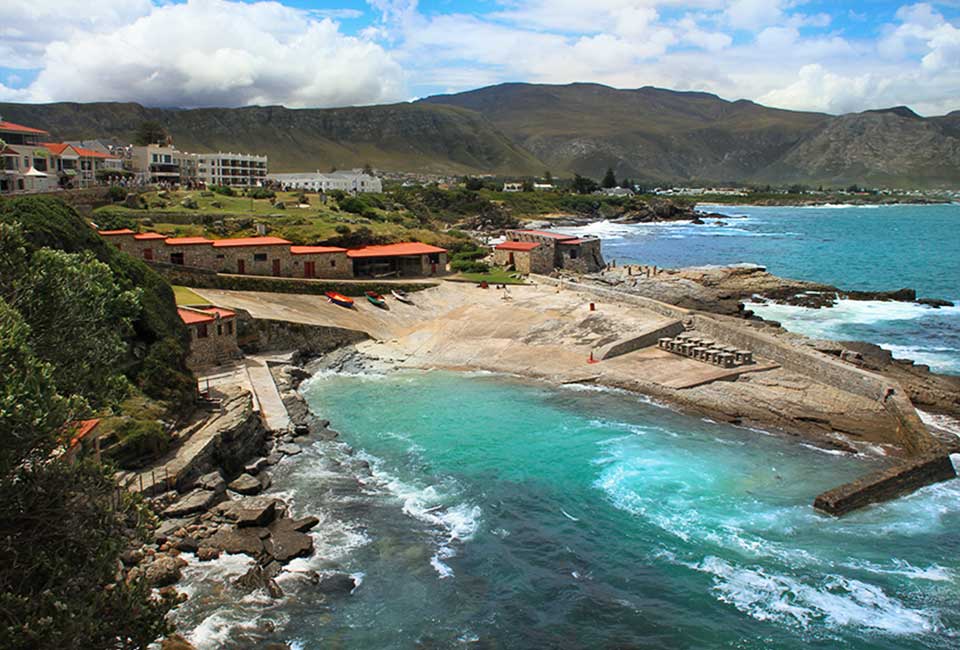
point(473, 184)
point(150, 132)
point(77, 314)
point(626, 184)
point(609, 179)
point(527, 185)
point(584, 185)
point(367, 169)
point(548, 177)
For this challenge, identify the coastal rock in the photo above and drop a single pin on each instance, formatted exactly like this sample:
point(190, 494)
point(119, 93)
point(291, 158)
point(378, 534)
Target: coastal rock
point(246, 484)
point(256, 466)
point(303, 524)
point(164, 570)
point(238, 540)
point(273, 458)
point(192, 502)
point(176, 642)
point(286, 543)
point(252, 511)
point(258, 578)
point(187, 545)
point(936, 303)
point(289, 449)
point(207, 553)
point(337, 583)
point(212, 481)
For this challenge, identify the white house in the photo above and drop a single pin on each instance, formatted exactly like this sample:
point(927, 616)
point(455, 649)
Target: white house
point(353, 181)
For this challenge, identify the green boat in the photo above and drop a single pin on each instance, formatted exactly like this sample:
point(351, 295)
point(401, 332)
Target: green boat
point(376, 299)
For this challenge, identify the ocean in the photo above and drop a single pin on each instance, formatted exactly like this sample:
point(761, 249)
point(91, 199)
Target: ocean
point(503, 513)
point(872, 248)
point(509, 514)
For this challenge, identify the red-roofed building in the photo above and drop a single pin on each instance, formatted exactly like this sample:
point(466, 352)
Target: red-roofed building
point(553, 251)
point(253, 255)
point(407, 259)
point(320, 262)
point(82, 437)
point(188, 251)
point(213, 335)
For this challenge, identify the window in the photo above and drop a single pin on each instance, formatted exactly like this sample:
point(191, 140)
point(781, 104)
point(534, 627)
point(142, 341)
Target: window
point(40, 164)
point(259, 257)
point(202, 331)
point(176, 258)
point(220, 256)
point(573, 253)
point(229, 327)
point(219, 329)
point(333, 262)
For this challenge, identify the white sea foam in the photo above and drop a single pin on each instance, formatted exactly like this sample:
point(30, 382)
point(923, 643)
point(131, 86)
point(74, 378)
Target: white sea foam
point(833, 600)
point(897, 567)
point(942, 422)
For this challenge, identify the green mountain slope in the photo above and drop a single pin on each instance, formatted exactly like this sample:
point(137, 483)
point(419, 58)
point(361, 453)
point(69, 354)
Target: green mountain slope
point(408, 137)
point(662, 135)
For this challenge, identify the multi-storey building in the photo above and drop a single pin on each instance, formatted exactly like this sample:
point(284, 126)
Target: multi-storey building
point(352, 182)
point(234, 169)
point(164, 163)
point(25, 164)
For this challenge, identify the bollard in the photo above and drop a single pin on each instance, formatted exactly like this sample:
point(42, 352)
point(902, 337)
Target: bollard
point(591, 359)
point(593, 307)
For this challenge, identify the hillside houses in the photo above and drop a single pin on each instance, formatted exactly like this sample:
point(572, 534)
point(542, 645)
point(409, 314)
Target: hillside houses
point(277, 257)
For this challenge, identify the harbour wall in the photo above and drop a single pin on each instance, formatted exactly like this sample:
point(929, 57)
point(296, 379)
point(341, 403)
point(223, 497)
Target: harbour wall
point(267, 335)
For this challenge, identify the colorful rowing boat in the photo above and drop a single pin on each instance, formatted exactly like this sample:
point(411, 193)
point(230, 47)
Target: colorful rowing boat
point(402, 296)
point(376, 299)
point(339, 299)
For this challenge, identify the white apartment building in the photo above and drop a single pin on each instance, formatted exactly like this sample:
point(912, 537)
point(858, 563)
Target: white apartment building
point(351, 182)
point(237, 169)
point(163, 163)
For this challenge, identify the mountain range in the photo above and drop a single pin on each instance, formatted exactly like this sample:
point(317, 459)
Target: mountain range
point(648, 134)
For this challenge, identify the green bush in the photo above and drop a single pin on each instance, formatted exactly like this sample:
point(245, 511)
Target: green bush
point(138, 443)
point(469, 266)
point(261, 193)
point(226, 190)
point(352, 204)
point(116, 193)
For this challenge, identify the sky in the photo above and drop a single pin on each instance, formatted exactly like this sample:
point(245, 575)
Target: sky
point(835, 57)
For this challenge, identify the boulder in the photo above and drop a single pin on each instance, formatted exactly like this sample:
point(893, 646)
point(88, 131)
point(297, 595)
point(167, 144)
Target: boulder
point(189, 203)
point(192, 502)
point(176, 642)
point(164, 570)
point(289, 449)
point(337, 583)
point(212, 481)
point(238, 540)
point(132, 201)
point(265, 480)
point(251, 511)
point(207, 553)
point(303, 524)
point(246, 484)
point(256, 466)
point(301, 430)
point(273, 458)
point(257, 578)
point(131, 557)
point(187, 545)
point(286, 543)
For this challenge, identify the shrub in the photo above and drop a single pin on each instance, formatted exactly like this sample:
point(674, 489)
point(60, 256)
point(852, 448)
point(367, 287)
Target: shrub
point(352, 204)
point(469, 266)
point(261, 193)
point(226, 190)
point(139, 442)
point(116, 193)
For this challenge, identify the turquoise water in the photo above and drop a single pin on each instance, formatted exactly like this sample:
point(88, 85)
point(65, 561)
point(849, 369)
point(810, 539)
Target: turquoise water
point(866, 248)
point(505, 514)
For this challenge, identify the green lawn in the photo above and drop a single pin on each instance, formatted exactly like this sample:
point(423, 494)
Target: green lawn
point(185, 296)
point(494, 276)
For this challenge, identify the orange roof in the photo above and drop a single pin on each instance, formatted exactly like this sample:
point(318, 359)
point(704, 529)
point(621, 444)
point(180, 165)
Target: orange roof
point(517, 246)
point(309, 250)
point(395, 250)
point(544, 233)
point(205, 315)
point(149, 235)
point(18, 128)
point(56, 148)
point(186, 241)
point(82, 430)
point(90, 153)
point(122, 231)
point(250, 241)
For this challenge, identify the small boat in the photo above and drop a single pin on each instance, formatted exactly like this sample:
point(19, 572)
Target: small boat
point(402, 296)
point(339, 299)
point(376, 299)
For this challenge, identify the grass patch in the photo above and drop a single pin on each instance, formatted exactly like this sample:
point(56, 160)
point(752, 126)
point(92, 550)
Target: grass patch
point(185, 296)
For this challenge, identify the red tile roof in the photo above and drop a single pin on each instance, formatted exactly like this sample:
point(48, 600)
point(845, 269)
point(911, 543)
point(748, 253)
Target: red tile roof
point(122, 231)
point(517, 246)
point(56, 148)
point(395, 250)
point(310, 250)
point(149, 235)
point(19, 128)
point(186, 241)
point(205, 315)
point(82, 430)
point(544, 233)
point(250, 241)
point(90, 153)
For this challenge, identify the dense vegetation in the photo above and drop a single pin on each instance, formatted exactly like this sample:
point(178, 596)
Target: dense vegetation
point(69, 323)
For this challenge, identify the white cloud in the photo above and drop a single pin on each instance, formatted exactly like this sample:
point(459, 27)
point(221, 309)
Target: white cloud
point(219, 53)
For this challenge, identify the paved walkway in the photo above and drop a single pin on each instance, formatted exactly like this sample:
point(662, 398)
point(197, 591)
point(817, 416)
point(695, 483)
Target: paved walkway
point(272, 410)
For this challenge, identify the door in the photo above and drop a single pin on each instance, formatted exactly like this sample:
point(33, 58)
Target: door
point(309, 269)
point(276, 267)
point(511, 262)
point(148, 253)
point(241, 266)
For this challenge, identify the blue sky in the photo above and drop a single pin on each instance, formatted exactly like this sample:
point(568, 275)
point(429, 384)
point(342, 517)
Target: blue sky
point(799, 54)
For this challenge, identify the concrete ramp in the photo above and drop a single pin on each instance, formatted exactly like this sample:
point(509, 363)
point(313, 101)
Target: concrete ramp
point(643, 338)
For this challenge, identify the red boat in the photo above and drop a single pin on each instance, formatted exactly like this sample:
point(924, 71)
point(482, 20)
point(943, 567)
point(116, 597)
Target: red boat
point(339, 299)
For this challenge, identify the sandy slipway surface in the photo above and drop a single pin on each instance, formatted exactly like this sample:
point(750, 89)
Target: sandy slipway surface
point(549, 334)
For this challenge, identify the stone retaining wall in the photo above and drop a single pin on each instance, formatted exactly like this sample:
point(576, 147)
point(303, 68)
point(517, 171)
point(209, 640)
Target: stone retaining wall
point(265, 335)
point(640, 340)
